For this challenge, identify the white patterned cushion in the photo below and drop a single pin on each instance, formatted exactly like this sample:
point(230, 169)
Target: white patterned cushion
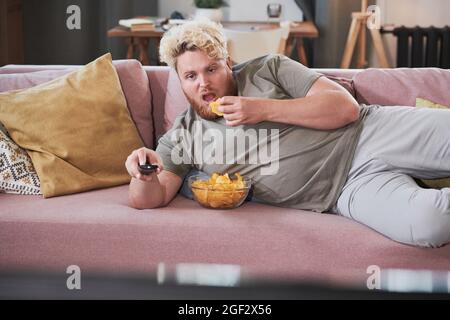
point(17, 174)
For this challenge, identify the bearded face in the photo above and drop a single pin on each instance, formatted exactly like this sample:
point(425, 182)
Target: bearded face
point(203, 80)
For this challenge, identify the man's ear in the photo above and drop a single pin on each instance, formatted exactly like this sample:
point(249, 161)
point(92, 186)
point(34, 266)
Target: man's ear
point(229, 62)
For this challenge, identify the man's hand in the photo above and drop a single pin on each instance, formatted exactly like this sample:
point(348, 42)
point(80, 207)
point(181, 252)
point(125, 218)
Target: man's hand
point(155, 190)
point(140, 156)
point(241, 110)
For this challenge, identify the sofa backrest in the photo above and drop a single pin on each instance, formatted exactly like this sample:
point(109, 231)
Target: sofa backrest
point(134, 81)
point(168, 97)
point(169, 100)
point(401, 86)
point(370, 86)
point(155, 98)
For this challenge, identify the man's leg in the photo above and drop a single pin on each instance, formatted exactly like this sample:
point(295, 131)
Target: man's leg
point(392, 204)
point(396, 143)
point(407, 140)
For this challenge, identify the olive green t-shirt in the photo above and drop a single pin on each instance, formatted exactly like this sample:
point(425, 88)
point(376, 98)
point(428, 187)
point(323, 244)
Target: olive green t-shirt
point(290, 166)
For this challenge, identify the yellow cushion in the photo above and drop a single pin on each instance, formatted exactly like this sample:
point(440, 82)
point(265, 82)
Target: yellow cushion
point(424, 103)
point(432, 183)
point(77, 129)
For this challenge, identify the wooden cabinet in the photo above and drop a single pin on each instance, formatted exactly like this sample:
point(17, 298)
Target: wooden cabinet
point(11, 32)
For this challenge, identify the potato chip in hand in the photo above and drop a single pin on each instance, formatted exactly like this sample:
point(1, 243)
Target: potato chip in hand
point(214, 105)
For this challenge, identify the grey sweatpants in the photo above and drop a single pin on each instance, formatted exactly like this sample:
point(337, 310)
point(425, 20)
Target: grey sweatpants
point(396, 144)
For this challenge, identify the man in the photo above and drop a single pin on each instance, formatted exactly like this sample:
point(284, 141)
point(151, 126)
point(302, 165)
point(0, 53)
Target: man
point(327, 153)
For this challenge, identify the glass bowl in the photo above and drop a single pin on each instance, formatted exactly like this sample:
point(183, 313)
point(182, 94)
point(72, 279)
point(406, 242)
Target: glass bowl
point(218, 196)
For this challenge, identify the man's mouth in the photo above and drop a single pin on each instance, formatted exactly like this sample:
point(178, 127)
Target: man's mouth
point(209, 97)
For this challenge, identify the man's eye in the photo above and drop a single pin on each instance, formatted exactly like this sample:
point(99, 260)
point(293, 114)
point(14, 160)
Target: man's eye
point(190, 76)
point(212, 70)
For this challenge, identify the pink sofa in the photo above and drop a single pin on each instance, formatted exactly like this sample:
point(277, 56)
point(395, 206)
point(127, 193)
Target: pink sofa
point(99, 232)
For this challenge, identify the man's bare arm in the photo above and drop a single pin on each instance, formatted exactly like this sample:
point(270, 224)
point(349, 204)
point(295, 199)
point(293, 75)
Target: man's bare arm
point(154, 190)
point(327, 105)
point(157, 192)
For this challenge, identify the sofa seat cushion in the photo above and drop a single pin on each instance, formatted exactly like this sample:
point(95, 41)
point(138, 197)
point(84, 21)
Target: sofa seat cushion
point(99, 232)
point(394, 87)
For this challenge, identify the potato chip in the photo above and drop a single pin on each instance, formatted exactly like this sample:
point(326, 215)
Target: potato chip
point(225, 179)
point(214, 105)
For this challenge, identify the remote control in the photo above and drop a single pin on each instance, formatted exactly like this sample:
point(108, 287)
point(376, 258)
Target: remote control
point(147, 168)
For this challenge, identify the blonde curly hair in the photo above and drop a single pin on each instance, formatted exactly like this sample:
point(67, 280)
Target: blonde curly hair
point(202, 34)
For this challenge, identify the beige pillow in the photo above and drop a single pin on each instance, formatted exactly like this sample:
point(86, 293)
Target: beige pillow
point(77, 129)
point(17, 174)
point(432, 183)
point(424, 103)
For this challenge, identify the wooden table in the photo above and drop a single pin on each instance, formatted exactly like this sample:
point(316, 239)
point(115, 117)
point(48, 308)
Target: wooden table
point(298, 31)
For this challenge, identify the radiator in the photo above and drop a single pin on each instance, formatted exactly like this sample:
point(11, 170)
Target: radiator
point(423, 47)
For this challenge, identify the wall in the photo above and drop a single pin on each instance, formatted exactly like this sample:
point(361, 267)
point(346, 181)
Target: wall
point(410, 13)
point(247, 10)
point(238, 10)
point(166, 7)
point(11, 32)
point(333, 19)
point(48, 41)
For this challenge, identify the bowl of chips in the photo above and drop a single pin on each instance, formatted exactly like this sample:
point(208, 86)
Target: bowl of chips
point(220, 191)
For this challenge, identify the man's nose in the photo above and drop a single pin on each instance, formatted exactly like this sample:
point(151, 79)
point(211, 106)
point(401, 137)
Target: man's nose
point(203, 80)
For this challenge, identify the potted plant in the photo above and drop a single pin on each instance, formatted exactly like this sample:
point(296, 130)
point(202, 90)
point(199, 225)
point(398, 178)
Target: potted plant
point(210, 9)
